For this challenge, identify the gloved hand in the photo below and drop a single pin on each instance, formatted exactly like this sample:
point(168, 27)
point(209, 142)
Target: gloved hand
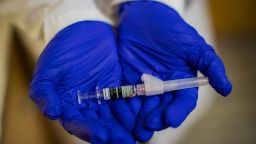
point(81, 57)
point(154, 39)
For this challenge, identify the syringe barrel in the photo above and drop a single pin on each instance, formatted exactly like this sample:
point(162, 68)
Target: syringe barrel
point(172, 85)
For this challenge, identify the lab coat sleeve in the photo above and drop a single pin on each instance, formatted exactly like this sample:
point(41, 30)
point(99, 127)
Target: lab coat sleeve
point(178, 5)
point(37, 21)
point(68, 12)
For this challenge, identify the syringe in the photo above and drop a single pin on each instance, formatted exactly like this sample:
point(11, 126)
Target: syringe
point(151, 86)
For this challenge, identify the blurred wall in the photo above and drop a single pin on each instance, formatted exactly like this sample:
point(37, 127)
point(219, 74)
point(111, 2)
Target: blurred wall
point(231, 120)
point(234, 17)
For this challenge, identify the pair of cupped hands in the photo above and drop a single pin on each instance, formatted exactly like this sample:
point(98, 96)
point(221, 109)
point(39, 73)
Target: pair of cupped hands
point(151, 38)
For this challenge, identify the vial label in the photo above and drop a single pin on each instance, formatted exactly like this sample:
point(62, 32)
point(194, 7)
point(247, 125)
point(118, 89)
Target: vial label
point(119, 92)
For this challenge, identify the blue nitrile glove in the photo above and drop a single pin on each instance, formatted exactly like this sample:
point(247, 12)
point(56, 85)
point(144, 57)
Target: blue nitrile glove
point(81, 57)
point(154, 39)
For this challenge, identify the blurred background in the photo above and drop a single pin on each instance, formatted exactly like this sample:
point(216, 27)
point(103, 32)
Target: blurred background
point(232, 120)
point(229, 121)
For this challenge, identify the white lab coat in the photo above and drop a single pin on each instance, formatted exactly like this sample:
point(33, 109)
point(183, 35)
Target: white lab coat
point(39, 20)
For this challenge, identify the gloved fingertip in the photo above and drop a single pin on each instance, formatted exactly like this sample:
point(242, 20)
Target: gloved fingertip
point(90, 130)
point(174, 117)
point(144, 137)
point(141, 134)
point(117, 133)
point(123, 138)
point(124, 141)
point(225, 89)
point(134, 104)
point(122, 112)
point(53, 113)
point(99, 138)
point(150, 103)
point(153, 122)
point(181, 107)
point(172, 122)
point(86, 128)
point(46, 99)
point(211, 65)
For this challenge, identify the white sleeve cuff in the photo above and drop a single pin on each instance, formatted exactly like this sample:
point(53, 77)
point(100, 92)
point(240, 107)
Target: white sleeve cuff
point(68, 12)
point(178, 5)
